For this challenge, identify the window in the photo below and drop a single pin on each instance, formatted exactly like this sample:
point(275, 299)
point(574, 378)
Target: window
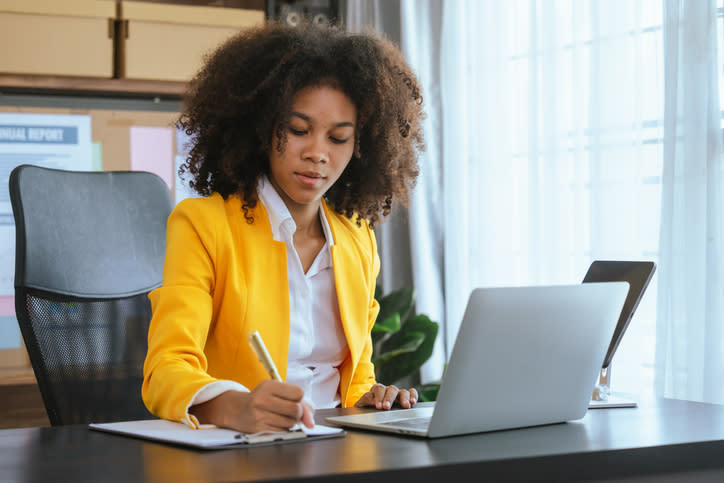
point(587, 149)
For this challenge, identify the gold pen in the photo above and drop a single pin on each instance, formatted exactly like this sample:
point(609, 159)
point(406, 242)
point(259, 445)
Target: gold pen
point(257, 345)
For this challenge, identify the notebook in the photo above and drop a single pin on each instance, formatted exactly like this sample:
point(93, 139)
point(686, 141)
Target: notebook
point(524, 356)
point(212, 437)
point(638, 274)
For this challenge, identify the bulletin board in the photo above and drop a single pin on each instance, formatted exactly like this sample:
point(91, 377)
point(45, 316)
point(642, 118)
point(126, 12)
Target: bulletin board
point(122, 139)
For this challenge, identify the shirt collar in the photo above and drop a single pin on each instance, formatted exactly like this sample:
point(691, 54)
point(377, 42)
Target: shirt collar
point(281, 221)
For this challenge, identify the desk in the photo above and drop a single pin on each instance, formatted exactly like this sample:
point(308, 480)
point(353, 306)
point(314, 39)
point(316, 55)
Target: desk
point(680, 438)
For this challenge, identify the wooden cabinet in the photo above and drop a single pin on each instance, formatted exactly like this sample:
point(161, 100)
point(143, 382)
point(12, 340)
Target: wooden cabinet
point(13, 83)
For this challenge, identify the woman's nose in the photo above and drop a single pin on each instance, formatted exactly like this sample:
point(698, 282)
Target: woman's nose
point(316, 151)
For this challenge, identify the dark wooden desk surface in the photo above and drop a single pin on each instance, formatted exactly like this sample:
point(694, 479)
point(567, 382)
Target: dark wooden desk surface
point(662, 440)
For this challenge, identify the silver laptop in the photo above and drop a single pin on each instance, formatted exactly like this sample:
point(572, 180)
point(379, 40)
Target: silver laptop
point(524, 356)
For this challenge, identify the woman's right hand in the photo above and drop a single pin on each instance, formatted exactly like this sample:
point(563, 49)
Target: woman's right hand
point(271, 406)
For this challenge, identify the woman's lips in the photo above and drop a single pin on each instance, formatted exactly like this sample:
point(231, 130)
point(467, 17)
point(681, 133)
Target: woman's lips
point(310, 179)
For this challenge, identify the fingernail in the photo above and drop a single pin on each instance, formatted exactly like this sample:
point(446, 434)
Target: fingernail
point(387, 404)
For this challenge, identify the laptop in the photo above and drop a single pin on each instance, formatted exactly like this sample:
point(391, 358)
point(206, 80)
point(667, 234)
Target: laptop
point(638, 274)
point(516, 346)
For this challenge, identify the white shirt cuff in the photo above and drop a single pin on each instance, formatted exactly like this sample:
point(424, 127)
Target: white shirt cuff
point(214, 389)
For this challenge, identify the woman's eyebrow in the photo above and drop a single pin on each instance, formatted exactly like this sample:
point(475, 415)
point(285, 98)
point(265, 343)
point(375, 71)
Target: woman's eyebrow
point(303, 116)
point(309, 119)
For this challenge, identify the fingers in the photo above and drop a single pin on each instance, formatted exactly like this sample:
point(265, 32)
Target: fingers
point(407, 397)
point(389, 398)
point(307, 417)
point(383, 397)
point(373, 397)
point(278, 406)
point(289, 392)
point(271, 421)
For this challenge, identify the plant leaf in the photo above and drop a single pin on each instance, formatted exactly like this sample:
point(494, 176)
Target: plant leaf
point(390, 324)
point(429, 393)
point(407, 362)
point(412, 341)
point(386, 326)
point(399, 301)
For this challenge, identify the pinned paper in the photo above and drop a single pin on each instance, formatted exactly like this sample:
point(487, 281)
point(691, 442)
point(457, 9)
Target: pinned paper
point(9, 329)
point(96, 156)
point(7, 305)
point(152, 150)
point(9, 333)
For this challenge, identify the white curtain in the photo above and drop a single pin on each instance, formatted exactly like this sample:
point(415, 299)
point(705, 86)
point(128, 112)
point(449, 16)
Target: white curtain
point(690, 320)
point(554, 154)
point(551, 146)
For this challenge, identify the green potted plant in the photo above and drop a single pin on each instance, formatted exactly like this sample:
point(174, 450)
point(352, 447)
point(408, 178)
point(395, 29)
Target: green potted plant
point(402, 340)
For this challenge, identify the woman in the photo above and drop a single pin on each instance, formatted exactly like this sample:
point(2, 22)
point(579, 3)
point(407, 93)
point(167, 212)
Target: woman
point(302, 137)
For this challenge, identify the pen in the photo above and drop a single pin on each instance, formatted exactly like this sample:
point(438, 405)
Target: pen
point(257, 345)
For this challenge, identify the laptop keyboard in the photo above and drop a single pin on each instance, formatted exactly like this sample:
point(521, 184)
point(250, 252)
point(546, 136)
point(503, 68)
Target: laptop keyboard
point(411, 423)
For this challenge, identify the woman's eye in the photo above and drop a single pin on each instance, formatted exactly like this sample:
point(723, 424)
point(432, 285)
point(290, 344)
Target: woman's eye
point(338, 140)
point(297, 132)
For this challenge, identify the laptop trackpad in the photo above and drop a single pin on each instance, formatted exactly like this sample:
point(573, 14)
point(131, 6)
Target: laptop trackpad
point(420, 424)
point(385, 417)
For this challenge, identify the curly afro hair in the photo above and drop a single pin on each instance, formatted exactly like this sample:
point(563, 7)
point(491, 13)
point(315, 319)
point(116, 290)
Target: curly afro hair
point(243, 95)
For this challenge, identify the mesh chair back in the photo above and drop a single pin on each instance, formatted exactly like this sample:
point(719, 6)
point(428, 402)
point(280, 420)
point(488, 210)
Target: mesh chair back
point(89, 248)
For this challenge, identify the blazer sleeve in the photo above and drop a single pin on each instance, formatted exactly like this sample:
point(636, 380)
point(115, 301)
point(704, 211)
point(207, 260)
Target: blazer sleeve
point(175, 366)
point(364, 374)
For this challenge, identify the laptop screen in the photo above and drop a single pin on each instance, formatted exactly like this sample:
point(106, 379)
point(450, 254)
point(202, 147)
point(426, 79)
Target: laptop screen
point(637, 274)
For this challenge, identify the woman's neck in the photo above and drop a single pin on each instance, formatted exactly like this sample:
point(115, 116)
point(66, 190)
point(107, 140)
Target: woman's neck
point(307, 221)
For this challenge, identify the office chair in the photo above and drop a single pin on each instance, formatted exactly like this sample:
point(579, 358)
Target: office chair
point(89, 248)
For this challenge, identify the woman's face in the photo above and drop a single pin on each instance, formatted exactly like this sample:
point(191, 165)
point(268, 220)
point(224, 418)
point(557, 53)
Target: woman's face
point(320, 144)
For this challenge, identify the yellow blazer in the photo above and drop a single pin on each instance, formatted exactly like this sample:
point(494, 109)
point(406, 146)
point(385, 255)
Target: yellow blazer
point(224, 278)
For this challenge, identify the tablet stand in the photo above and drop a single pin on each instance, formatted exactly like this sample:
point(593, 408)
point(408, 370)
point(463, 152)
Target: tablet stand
point(602, 397)
point(603, 389)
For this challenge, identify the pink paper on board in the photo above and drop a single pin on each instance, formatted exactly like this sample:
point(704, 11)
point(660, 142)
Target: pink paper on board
point(7, 305)
point(152, 150)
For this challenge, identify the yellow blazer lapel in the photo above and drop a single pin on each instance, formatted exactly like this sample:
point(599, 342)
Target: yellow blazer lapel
point(267, 275)
point(351, 286)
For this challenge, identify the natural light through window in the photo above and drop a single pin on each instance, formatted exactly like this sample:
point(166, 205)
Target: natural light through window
point(597, 165)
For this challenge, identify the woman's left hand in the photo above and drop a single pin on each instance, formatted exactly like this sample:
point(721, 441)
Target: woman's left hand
point(383, 397)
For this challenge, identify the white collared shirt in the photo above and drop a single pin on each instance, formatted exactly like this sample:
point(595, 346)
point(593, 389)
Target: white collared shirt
point(317, 344)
